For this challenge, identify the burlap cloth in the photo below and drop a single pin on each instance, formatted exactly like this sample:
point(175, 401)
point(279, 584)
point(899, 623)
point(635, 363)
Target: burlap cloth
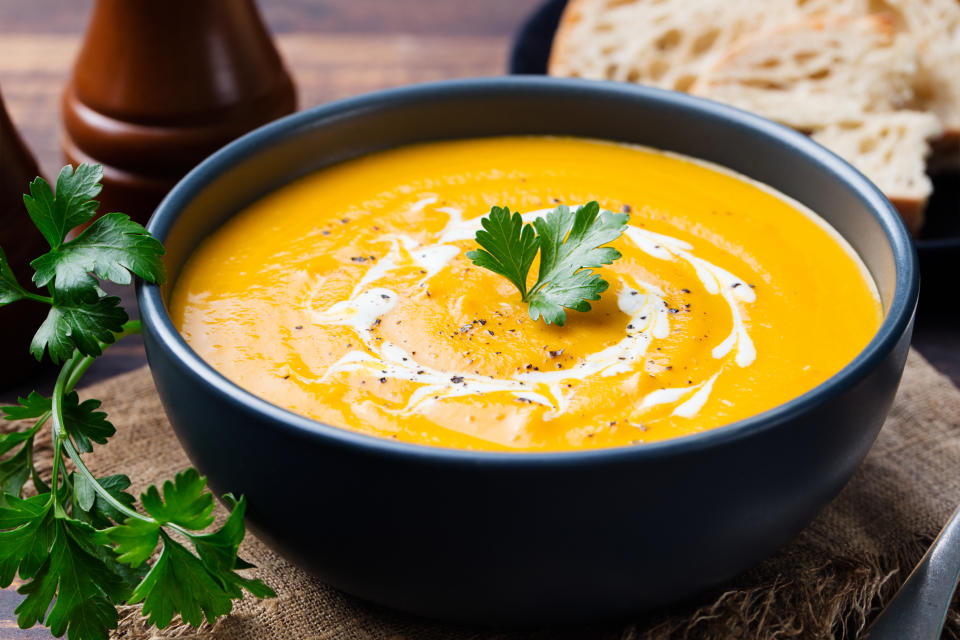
point(829, 582)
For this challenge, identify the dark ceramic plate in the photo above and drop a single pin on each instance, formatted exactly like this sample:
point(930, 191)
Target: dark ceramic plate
point(939, 242)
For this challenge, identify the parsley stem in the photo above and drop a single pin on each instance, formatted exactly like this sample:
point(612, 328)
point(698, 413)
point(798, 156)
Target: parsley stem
point(103, 493)
point(56, 411)
point(37, 298)
point(39, 423)
point(69, 376)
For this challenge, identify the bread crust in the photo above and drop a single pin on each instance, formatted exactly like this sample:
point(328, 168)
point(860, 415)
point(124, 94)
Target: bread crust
point(911, 210)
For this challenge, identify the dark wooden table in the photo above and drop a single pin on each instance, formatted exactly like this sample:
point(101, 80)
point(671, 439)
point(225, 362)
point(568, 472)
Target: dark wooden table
point(334, 48)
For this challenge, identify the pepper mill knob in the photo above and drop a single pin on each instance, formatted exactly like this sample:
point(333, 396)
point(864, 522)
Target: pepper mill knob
point(158, 86)
point(21, 243)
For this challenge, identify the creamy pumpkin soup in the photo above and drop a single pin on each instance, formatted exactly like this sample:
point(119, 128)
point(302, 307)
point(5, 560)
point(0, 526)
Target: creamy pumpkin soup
point(347, 296)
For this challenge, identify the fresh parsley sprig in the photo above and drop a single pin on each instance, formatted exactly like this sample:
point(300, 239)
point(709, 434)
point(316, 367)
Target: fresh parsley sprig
point(78, 541)
point(570, 245)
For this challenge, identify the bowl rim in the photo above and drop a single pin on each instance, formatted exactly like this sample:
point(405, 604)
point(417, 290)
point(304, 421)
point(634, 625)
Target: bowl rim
point(897, 319)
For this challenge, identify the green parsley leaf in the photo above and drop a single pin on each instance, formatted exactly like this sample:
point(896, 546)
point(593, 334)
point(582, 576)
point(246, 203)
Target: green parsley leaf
point(213, 573)
point(110, 249)
point(509, 247)
point(82, 317)
point(116, 485)
point(73, 204)
point(84, 423)
point(81, 325)
point(38, 482)
point(15, 470)
point(85, 587)
point(572, 241)
point(81, 420)
point(10, 289)
point(218, 551)
point(95, 542)
point(134, 540)
point(571, 291)
point(102, 514)
point(26, 531)
point(570, 246)
point(9, 440)
point(185, 501)
point(33, 406)
point(179, 583)
point(84, 493)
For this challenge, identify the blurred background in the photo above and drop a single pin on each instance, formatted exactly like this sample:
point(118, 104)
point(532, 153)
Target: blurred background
point(332, 48)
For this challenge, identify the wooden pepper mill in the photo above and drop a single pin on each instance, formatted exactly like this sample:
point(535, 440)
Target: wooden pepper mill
point(158, 86)
point(21, 243)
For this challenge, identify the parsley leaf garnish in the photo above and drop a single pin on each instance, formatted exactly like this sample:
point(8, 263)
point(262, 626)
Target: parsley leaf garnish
point(79, 543)
point(102, 514)
point(509, 247)
point(81, 420)
point(10, 289)
point(15, 470)
point(56, 215)
point(570, 245)
point(85, 326)
point(112, 248)
point(185, 501)
point(196, 586)
point(87, 591)
point(26, 532)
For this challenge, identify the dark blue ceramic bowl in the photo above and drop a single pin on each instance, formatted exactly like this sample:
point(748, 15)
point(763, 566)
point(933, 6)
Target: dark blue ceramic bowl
point(530, 538)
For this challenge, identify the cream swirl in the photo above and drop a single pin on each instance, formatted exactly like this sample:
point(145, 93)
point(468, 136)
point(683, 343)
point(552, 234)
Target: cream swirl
point(643, 303)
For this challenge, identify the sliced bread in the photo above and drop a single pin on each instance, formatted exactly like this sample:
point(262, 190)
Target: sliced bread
point(671, 43)
point(665, 44)
point(890, 149)
point(935, 25)
point(858, 74)
point(816, 71)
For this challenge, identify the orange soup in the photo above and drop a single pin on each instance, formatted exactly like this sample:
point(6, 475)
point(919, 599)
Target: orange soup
point(347, 297)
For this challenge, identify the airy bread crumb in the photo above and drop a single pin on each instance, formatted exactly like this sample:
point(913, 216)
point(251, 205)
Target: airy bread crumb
point(816, 71)
point(891, 149)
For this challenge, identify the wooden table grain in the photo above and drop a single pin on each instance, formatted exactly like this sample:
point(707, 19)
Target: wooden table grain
point(334, 49)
